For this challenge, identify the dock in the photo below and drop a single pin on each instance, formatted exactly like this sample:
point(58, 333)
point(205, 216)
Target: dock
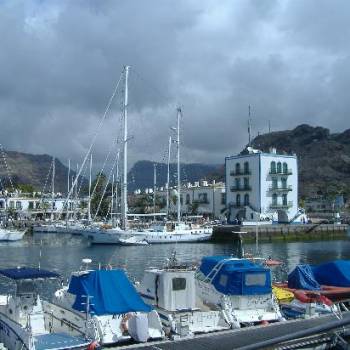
point(281, 335)
point(280, 232)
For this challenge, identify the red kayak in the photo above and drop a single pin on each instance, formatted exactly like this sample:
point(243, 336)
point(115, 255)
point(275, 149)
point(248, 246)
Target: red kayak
point(331, 292)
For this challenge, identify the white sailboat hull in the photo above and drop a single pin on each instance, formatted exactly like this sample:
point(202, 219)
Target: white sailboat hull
point(11, 235)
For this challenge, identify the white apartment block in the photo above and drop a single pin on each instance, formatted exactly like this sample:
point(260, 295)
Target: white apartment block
point(262, 186)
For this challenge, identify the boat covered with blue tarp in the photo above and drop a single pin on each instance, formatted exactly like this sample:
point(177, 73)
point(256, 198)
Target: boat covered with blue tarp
point(110, 292)
point(334, 273)
point(236, 276)
point(302, 277)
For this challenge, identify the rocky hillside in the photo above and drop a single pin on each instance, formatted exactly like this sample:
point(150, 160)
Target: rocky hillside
point(323, 158)
point(141, 174)
point(32, 169)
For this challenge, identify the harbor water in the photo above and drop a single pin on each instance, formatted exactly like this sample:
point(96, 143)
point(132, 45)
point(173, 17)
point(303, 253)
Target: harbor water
point(63, 253)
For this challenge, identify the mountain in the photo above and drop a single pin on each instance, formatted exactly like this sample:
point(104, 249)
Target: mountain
point(25, 168)
point(323, 158)
point(141, 174)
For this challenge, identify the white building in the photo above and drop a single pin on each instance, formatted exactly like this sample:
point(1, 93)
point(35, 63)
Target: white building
point(199, 198)
point(262, 186)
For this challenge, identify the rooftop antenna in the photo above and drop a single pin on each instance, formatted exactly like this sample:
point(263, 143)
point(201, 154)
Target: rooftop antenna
point(269, 126)
point(249, 126)
point(154, 189)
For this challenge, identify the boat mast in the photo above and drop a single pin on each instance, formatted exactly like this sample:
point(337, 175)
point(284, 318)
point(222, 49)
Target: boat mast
point(125, 170)
point(68, 179)
point(154, 189)
point(112, 201)
point(116, 185)
point(178, 167)
point(168, 178)
point(90, 181)
point(53, 187)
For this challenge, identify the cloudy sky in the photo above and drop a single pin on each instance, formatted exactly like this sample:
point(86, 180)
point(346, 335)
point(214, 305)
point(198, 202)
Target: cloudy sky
point(60, 61)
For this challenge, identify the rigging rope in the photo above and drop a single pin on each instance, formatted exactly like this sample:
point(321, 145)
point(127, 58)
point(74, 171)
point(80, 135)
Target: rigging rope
point(3, 154)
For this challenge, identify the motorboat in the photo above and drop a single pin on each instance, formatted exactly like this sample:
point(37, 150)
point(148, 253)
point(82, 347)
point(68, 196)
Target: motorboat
point(24, 324)
point(171, 291)
point(133, 241)
point(104, 304)
point(240, 288)
point(11, 235)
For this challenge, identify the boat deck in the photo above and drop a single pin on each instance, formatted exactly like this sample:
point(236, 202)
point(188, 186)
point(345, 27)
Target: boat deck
point(244, 338)
point(58, 341)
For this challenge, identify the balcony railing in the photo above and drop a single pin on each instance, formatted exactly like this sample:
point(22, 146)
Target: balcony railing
point(201, 201)
point(240, 173)
point(280, 189)
point(275, 172)
point(281, 205)
point(241, 188)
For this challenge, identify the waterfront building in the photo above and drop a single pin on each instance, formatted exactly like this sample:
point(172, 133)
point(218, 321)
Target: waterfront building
point(198, 198)
point(262, 187)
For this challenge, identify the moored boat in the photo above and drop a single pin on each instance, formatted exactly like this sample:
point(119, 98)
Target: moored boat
point(10, 235)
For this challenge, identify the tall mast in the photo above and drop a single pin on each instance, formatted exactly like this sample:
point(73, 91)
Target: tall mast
point(68, 179)
point(90, 182)
point(112, 201)
point(178, 167)
point(249, 126)
point(125, 165)
point(53, 187)
point(154, 189)
point(168, 178)
point(116, 184)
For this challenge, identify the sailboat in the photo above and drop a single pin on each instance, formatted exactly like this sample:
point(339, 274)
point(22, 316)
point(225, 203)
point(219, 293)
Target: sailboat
point(169, 232)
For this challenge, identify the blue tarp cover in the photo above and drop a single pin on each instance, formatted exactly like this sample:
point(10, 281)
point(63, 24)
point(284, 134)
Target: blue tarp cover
point(238, 277)
point(334, 273)
point(110, 292)
point(22, 273)
point(302, 277)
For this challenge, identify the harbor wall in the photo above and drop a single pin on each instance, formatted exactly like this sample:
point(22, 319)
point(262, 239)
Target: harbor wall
point(279, 232)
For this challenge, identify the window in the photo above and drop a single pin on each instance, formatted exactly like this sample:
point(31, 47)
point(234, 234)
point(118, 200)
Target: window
point(18, 205)
point(31, 205)
point(238, 183)
point(188, 199)
point(274, 184)
point(179, 283)
point(203, 197)
point(284, 183)
point(255, 279)
point(12, 204)
point(223, 198)
point(285, 168)
point(273, 168)
point(246, 168)
point(246, 199)
point(238, 200)
point(246, 182)
point(181, 200)
point(238, 168)
point(223, 280)
point(274, 199)
point(279, 167)
point(284, 199)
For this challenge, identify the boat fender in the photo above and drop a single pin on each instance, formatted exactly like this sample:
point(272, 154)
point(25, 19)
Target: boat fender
point(264, 323)
point(308, 297)
point(94, 346)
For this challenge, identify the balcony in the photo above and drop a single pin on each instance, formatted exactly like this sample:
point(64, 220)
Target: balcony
point(280, 189)
point(280, 173)
point(241, 189)
point(281, 205)
point(200, 201)
point(240, 173)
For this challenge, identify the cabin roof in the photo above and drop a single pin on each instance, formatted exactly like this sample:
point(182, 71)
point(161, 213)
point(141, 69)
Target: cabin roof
point(23, 273)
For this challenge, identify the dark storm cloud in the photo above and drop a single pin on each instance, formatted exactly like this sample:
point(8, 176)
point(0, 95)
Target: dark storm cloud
point(60, 60)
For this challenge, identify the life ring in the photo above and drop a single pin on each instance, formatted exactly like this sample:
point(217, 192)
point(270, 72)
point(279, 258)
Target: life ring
point(94, 345)
point(312, 297)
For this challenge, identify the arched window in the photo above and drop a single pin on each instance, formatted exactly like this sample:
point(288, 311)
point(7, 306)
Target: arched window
point(246, 199)
point(284, 183)
point(273, 168)
point(238, 168)
point(274, 199)
point(238, 200)
point(285, 168)
point(274, 183)
point(246, 183)
point(188, 199)
point(284, 199)
point(246, 168)
point(279, 167)
point(238, 183)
